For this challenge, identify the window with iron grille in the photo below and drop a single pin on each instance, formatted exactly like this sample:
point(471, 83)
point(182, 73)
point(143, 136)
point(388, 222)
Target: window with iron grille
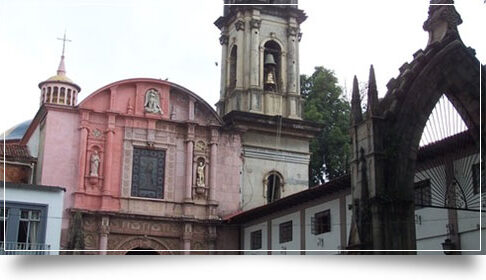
point(4, 218)
point(148, 173)
point(285, 232)
point(422, 193)
point(321, 222)
point(256, 240)
point(476, 174)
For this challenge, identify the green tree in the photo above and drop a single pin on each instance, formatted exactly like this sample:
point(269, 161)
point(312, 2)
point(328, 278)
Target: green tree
point(325, 103)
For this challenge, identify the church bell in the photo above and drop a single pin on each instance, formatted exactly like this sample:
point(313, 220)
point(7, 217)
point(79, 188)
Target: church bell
point(269, 60)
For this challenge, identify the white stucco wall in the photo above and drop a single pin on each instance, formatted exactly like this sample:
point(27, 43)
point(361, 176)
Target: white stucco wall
point(54, 202)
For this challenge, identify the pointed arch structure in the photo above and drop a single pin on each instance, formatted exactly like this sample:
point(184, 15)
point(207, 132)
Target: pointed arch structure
point(386, 138)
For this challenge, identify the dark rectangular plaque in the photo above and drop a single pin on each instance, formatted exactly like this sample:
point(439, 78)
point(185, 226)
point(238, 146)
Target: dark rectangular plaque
point(148, 173)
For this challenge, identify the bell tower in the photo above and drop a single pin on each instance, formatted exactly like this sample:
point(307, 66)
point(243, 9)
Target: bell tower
point(260, 97)
point(59, 89)
point(260, 57)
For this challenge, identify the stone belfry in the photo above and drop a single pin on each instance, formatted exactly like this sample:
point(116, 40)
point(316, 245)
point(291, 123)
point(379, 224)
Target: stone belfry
point(260, 57)
point(260, 97)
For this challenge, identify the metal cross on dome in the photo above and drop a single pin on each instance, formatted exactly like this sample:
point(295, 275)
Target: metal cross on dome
point(64, 42)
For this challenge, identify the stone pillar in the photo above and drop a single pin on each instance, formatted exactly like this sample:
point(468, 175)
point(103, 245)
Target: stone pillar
point(82, 150)
point(107, 172)
point(452, 226)
point(254, 52)
point(189, 156)
point(240, 29)
point(223, 40)
point(189, 161)
point(292, 78)
point(186, 238)
point(103, 242)
point(213, 166)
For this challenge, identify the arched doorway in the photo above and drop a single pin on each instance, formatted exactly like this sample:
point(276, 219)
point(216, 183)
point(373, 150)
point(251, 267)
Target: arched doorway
point(142, 251)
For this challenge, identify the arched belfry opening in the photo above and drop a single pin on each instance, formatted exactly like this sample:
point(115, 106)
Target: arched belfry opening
point(272, 66)
point(232, 67)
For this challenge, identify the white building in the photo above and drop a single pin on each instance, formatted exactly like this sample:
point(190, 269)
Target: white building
point(32, 218)
point(320, 218)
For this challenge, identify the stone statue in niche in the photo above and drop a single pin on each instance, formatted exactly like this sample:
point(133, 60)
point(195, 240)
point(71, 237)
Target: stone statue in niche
point(152, 102)
point(200, 179)
point(95, 164)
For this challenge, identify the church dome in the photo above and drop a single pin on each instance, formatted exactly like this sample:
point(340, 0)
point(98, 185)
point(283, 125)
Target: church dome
point(60, 78)
point(17, 132)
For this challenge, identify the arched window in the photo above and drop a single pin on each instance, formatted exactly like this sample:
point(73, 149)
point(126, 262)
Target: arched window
point(273, 186)
point(69, 97)
point(49, 91)
point(54, 95)
point(232, 67)
point(62, 95)
point(272, 71)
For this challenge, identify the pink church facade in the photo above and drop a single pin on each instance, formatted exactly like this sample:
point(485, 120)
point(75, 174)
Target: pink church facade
point(147, 162)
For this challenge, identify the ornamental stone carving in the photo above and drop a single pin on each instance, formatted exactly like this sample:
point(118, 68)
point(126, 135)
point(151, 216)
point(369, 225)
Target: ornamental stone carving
point(240, 25)
point(255, 23)
point(95, 164)
point(223, 39)
point(292, 31)
point(152, 102)
point(200, 180)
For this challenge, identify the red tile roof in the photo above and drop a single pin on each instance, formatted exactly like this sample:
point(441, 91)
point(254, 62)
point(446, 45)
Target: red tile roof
point(15, 151)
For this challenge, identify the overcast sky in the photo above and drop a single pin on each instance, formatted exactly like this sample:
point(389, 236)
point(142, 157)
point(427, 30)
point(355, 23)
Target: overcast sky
point(115, 40)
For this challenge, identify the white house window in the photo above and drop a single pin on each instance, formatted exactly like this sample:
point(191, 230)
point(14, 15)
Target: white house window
point(321, 222)
point(285, 232)
point(29, 224)
point(256, 240)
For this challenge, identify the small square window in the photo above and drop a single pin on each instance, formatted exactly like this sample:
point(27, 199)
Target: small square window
point(321, 222)
point(256, 240)
point(285, 232)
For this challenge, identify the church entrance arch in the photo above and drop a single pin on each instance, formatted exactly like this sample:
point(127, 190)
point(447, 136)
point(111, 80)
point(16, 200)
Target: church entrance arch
point(143, 246)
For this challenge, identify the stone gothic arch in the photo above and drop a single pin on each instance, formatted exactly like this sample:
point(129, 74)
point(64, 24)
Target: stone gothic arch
point(386, 139)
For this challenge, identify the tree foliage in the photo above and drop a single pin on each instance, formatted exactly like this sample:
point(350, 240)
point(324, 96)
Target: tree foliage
point(325, 103)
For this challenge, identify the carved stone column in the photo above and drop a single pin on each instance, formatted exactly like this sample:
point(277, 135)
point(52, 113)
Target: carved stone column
point(189, 161)
point(82, 158)
point(213, 166)
point(254, 52)
point(224, 64)
point(292, 33)
point(186, 238)
point(107, 172)
point(240, 28)
point(105, 229)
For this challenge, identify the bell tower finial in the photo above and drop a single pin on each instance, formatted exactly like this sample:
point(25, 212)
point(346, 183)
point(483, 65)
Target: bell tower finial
point(61, 70)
